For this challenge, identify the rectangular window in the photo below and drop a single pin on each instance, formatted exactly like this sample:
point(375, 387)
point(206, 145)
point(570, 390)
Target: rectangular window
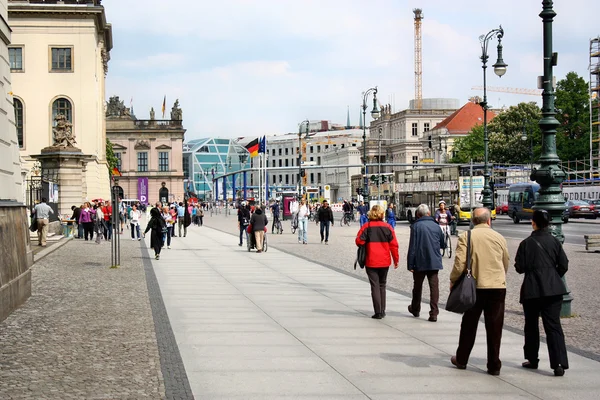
point(312, 159)
point(280, 163)
point(318, 149)
point(312, 149)
point(142, 161)
point(279, 151)
point(273, 153)
point(415, 159)
point(15, 56)
point(287, 151)
point(312, 178)
point(318, 160)
point(273, 162)
point(287, 179)
point(280, 178)
point(319, 177)
point(287, 162)
point(118, 155)
point(426, 127)
point(18, 106)
point(61, 59)
point(274, 179)
point(415, 128)
point(163, 161)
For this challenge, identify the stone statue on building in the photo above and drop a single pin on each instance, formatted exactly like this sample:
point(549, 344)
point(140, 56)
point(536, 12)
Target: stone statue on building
point(176, 113)
point(115, 108)
point(62, 132)
point(152, 114)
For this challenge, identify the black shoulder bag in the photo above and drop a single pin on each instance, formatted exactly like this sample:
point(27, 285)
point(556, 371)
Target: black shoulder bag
point(361, 252)
point(463, 294)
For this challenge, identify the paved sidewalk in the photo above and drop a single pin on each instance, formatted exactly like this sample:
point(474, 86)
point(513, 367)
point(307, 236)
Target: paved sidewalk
point(272, 326)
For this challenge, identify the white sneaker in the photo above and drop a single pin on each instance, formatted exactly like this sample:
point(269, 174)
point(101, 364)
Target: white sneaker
point(168, 247)
point(133, 239)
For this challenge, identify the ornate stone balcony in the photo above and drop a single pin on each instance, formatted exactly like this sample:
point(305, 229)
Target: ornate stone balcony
point(157, 123)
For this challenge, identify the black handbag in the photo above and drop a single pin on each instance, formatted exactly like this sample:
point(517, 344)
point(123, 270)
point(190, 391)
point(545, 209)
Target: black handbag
point(34, 224)
point(361, 252)
point(463, 294)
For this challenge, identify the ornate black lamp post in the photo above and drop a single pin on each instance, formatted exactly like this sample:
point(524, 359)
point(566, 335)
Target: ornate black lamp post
point(499, 69)
point(550, 175)
point(375, 115)
point(307, 122)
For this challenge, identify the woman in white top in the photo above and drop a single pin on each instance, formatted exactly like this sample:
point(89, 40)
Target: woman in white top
point(169, 220)
point(303, 213)
point(99, 224)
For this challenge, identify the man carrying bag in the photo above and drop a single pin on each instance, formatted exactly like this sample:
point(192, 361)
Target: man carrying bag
point(489, 260)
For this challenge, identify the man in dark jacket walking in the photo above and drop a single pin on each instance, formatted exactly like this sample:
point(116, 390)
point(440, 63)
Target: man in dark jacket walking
point(425, 260)
point(325, 218)
point(243, 221)
point(542, 259)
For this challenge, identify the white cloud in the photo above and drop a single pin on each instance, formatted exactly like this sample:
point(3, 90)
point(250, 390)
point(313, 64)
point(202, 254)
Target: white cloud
point(155, 61)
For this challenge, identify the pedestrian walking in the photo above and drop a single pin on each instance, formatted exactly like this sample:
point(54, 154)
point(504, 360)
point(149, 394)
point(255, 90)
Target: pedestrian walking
point(325, 218)
point(76, 213)
point(86, 218)
point(303, 222)
point(542, 259)
point(243, 221)
point(42, 212)
point(424, 260)
point(99, 223)
point(181, 218)
point(259, 222)
point(362, 211)
point(390, 216)
point(134, 223)
point(382, 249)
point(200, 216)
point(168, 224)
point(489, 263)
point(275, 213)
point(107, 228)
point(158, 226)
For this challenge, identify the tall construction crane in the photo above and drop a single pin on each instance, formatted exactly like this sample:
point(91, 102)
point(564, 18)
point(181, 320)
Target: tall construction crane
point(418, 60)
point(531, 92)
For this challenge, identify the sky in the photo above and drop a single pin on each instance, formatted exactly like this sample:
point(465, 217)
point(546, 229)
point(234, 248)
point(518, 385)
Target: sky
point(256, 67)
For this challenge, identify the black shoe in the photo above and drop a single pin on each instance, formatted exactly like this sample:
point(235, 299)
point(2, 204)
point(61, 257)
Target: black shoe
point(456, 364)
point(530, 365)
point(376, 316)
point(383, 314)
point(240, 245)
point(493, 372)
point(432, 318)
point(559, 371)
point(410, 310)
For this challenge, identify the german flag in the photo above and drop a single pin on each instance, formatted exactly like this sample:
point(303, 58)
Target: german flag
point(252, 148)
point(115, 172)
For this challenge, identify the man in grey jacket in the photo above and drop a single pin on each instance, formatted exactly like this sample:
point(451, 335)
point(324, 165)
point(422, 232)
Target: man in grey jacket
point(424, 259)
point(42, 212)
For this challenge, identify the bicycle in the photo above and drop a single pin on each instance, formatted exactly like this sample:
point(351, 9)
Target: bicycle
point(448, 250)
point(346, 219)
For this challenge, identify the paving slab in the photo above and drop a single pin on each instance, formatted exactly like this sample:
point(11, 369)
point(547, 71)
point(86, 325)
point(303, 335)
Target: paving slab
point(275, 325)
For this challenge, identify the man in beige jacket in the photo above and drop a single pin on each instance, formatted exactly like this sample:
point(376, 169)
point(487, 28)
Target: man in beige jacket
point(489, 263)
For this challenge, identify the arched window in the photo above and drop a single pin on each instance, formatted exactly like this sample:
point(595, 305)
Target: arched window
point(18, 104)
point(62, 106)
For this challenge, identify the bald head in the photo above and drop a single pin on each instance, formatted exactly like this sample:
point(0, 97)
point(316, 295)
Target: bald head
point(481, 215)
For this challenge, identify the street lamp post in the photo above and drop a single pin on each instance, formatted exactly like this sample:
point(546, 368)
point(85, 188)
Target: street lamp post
point(300, 155)
point(379, 165)
point(375, 115)
point(499, 69)
point(526, 133)
point(550, 175)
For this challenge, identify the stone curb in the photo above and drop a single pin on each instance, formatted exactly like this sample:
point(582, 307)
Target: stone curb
point(37, 257)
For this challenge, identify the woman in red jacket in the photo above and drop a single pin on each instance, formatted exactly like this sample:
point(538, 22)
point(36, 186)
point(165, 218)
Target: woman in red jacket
point(382, 247)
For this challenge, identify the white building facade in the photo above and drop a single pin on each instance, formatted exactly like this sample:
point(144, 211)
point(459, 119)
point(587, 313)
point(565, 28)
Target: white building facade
point(59, 58)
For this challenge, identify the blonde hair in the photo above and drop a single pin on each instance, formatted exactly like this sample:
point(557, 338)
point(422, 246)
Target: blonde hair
point(376, 213)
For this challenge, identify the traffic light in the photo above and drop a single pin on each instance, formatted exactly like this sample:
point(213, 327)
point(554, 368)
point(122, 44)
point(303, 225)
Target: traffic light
point(383, 178)
point(302, 173)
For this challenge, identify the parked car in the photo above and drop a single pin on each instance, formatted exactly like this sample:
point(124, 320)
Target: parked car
point(596, 204)
point(464, 216)
point(580, 209)
point(565, 216)
point(502, 208)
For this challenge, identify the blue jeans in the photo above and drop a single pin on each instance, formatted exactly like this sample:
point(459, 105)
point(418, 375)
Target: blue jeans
point(242, 230)
point(135, 228)
point(363, 219)
point(325, 229)
point(302, 227)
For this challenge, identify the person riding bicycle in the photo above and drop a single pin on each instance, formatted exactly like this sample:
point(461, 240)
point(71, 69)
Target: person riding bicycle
point(275, 212)
point(443, 217)
point(347, 208)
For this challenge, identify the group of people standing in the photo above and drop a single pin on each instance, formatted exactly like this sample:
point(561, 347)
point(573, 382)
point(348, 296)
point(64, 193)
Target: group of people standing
point(484, 253)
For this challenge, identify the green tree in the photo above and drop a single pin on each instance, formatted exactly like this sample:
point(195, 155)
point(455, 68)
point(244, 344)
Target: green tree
point(573, 113)
point(469, 147)
point(111, 159)
point(506, 131)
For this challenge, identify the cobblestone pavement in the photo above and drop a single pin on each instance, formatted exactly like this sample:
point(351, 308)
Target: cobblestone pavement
point(583, 277)
point(86, 332)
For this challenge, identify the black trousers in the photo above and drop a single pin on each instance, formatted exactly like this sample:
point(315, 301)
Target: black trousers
point(491, 303)
point(549, 309)
point(325, 229)
point(88, 228)
point(378, 279)
point(434, 291)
